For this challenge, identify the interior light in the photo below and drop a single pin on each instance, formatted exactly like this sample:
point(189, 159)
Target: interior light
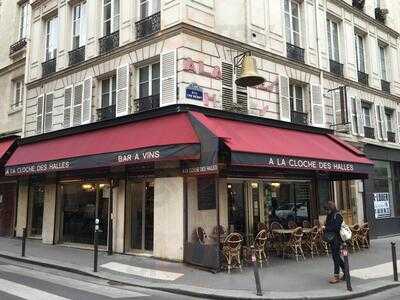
point(275, 184)
point(87, 186)
point(254, 185)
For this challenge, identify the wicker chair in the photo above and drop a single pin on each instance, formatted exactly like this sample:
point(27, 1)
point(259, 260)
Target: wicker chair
point(231, 250)
point(294, 245)
point(355, 236)
point(201, 235)
point(259, 247)
point(311, 241)
point(306, 224)
point(363, 236)
point(292, 225)
point(262, 226)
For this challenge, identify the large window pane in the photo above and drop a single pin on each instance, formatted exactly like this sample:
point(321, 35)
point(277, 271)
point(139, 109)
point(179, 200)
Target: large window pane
point(36, 205)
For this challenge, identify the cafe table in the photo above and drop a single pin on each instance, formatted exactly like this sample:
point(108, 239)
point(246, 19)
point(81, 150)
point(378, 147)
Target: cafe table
point(290, 231)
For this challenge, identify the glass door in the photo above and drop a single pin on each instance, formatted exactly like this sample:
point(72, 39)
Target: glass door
point(140, 216)
point(236, 208)
point(35, 207)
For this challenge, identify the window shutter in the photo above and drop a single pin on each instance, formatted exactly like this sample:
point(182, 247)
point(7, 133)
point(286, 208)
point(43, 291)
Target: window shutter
point(87, 101)
point(284, 100)
point(39, 114)
point(168, 78)
point(77, 109)
point(383, 122)
point(67, 107)
point(241, 96)
point(122, 102)
point(227, 86)
point(317, 106)
point(360, 119)
point(48, 119)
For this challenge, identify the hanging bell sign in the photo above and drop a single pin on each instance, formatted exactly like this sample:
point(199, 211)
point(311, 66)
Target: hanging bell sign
point(249, 76)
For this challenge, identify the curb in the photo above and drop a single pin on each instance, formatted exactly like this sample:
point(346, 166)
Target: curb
point(192, 291)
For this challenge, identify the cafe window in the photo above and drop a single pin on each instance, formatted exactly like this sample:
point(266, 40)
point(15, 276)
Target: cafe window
point(383, 189)
point(35, 208)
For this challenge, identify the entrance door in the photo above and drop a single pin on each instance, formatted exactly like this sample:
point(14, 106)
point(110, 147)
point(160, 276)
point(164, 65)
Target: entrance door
point(346, 201)
point(141, 216)
point(81, 203)
point(8, 192)
point(236, 208)
point(35, 206)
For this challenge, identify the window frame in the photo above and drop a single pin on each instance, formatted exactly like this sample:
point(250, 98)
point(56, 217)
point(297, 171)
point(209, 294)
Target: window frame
point(366, 106)
point(111, 92)
point(293, 97)
point(17, 104)
point(48, 38)
point(383, 70)
point(82, 25)
point(152, 8)
point(23, 21)
point(332, 43)
point(354, 117)
point(112, 18)
point(389, 113)
point(150, 79)
point(291, 17)
point(359, 40)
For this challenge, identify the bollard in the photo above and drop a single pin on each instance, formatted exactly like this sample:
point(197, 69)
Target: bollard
point(345, 254)
point(256, 273)
point(23, 242)
point(394, 260)
point(96, 246)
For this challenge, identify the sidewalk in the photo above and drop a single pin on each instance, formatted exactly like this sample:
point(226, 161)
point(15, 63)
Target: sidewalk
point(281, 279)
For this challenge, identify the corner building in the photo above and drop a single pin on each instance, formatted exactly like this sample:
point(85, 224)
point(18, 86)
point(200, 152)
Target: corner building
point(132, 116)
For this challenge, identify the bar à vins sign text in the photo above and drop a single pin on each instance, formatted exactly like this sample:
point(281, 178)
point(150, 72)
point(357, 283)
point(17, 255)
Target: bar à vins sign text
point(308, 164)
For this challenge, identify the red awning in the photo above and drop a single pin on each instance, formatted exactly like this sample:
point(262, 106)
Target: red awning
point(255, 144)
point(162, 138)
point(5, 146)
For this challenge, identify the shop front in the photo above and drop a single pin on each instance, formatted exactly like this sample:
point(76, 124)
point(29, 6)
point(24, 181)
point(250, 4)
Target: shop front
point(383, 191)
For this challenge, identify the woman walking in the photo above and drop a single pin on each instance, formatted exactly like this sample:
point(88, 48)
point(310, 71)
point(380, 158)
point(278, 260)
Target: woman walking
point(332, 235)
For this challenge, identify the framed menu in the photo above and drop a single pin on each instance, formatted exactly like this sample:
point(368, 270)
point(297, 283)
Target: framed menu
point(206, 193)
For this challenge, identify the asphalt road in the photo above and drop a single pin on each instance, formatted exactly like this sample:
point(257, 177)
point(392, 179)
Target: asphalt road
point(20, 281)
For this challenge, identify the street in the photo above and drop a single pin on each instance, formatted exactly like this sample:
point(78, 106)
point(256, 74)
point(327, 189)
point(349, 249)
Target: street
point(392, 294)
point(18, 281)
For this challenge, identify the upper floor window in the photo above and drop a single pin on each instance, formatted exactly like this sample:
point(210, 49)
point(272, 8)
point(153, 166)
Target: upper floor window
point(389, 119)
point(382, 62)
point(360, 52)
point(148, 7)
point(296, 97)
point(18, 92)
point(366, 111)
point(23, 21)
point(354, 117)
point(333, 40)
point(149, 80)
point(110, 16)
point(292, 22)
point(51, 38)
point(109, 91)
point(79, 25)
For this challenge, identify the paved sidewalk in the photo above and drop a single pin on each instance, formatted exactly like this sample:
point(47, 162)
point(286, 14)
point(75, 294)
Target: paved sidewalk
point(281, 279)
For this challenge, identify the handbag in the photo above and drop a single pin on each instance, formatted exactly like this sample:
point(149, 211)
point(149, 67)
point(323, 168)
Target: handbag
point(345, 232)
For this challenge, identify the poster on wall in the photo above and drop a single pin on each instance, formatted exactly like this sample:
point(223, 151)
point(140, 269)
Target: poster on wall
point(382, 205)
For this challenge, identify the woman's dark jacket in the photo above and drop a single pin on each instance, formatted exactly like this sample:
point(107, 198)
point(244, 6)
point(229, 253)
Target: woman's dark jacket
point(333, 224)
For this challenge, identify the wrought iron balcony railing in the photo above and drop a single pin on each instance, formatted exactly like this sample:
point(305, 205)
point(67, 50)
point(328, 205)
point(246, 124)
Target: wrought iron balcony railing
point(380, 14)
point(391, 136)
point(109, 42)
point(362, 77)
point(76, 56)
point(369, 132)
point(18, 46)
point(148, 26)
point(49, 67)
point(295, 52)
point(147, 103)
point(336, 68)
point(385, 86)
point(299, 117)
point(106, 113)
point(359, 4)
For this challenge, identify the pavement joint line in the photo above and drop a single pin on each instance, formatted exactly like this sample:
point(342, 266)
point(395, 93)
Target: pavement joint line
point(194, 291)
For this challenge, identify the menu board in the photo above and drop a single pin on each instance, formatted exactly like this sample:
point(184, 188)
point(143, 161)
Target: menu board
point(206, 193)
point(382, 205)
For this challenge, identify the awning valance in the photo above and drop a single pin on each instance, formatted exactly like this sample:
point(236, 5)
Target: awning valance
point(254, 144)
point(6, 145)
point(170, 137)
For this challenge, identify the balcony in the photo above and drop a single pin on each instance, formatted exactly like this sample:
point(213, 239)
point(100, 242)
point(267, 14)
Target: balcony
point(109, 42)
point(76, 56)
point(49, 67)
point(148, 26)
point(299, 117)
point(359, 4)
point(147, 103)
point(380, 14)
point(362, 77)
point(18, 46)
point(391, 136)
point(385, 86)
point(336, 68)
point(106, 113)
point(295, 53)
point(369, 132)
